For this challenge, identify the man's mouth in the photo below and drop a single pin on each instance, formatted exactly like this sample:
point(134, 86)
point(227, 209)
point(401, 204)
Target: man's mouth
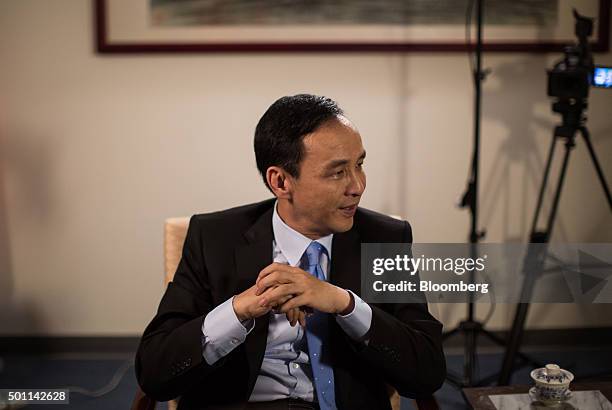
point(349, 211)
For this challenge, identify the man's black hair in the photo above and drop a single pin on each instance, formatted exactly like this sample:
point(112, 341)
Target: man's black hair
point(280, 131)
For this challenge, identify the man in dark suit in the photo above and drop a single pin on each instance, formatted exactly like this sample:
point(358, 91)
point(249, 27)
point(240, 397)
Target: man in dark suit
point(226, 335)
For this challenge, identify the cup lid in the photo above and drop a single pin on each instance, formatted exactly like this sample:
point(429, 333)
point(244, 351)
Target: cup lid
point(552, 374)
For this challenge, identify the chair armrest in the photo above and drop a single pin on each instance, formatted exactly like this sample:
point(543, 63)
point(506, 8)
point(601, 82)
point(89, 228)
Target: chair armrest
point(428, 403)
point(142, 401)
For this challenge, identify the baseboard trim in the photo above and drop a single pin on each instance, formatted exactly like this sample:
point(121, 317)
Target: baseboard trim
point(70, 344)
point(576, 337)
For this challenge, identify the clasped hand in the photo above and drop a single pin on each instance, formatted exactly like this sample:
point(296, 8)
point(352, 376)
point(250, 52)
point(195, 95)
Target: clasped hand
point(288, 289)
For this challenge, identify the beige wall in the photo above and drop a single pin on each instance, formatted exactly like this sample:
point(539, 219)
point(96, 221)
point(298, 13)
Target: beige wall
point(97, 150)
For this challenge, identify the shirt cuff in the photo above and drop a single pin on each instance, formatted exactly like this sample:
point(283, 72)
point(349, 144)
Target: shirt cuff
point(222, 332)
point(357, 323)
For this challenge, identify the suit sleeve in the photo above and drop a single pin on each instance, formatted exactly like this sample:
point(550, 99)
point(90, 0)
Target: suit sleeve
point(405, 345)
point(169, 358)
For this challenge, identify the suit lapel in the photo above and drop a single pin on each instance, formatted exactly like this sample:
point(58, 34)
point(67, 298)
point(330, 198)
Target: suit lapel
point(251, 258)
point(345, 262)
point(345, 273)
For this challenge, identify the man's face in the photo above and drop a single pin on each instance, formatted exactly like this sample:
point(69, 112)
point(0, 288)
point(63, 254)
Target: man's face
point(331, 180)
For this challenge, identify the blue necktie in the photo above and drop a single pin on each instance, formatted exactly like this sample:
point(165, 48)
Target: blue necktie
point(317, 332)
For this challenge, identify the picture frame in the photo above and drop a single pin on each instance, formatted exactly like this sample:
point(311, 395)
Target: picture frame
point(125, 27)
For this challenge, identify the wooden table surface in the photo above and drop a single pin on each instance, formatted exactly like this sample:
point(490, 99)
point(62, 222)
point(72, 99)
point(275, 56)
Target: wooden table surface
point(478, 397)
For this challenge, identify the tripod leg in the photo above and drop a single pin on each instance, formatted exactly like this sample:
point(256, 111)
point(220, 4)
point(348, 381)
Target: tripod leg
point(470, 355)
point(569, 144)
point(585, 134)
point(551, 153)
point(516, 334)
point(532, 266)
point(532, 259)
point(472, 328)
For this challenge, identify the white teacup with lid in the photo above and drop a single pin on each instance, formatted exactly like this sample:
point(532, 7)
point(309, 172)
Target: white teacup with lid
point(552, 384)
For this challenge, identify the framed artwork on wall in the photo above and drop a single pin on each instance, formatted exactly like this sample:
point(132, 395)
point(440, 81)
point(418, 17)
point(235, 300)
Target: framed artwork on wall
point(176, 26)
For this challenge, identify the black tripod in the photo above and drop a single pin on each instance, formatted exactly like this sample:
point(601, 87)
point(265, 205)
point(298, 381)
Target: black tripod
point(573, 121)
point(469, 327)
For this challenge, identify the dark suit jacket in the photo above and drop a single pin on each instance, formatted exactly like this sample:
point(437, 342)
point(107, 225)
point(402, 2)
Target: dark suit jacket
point(222, 256)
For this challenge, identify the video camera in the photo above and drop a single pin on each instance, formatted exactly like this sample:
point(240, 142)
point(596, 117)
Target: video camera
point(571, 77)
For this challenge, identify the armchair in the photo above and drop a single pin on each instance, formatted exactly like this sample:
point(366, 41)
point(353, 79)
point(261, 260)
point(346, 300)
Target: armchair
point(175, 230)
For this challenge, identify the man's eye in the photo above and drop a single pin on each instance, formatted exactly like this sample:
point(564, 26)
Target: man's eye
point(360, 165)
point(338, 174)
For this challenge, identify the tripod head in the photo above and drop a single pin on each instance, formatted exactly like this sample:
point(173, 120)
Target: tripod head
point(569, 80)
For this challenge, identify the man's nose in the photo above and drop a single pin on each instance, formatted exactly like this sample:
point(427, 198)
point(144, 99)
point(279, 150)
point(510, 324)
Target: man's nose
point(356, 184)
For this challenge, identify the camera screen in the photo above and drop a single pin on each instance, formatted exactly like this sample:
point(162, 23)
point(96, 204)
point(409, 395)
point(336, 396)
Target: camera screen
point(602, 77)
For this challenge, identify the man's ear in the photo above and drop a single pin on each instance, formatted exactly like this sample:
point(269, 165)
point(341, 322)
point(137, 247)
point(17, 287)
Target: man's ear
point(279, 182)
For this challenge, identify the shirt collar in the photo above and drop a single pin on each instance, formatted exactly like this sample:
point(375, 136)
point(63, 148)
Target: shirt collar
point(292, 243)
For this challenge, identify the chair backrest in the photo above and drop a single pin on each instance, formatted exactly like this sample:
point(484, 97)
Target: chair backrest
point(175, 230)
